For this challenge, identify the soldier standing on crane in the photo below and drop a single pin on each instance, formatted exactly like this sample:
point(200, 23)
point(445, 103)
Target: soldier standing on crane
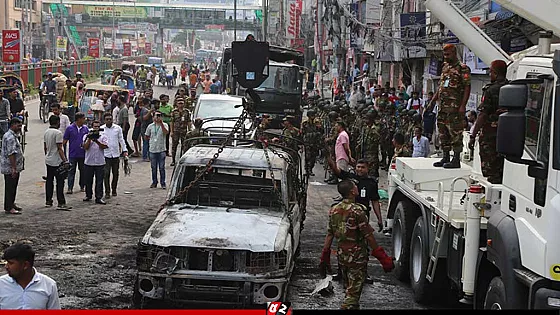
point(453, 94)
point(487, 123)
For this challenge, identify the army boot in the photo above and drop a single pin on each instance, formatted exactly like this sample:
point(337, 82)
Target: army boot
point(443, 161)
point(455, 162)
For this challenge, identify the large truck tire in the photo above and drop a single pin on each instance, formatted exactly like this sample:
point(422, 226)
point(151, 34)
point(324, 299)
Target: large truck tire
point(496, 295)
point(403, 224)
point(424, 291)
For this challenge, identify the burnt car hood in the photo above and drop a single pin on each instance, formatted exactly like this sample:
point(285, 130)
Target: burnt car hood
point(219, 228)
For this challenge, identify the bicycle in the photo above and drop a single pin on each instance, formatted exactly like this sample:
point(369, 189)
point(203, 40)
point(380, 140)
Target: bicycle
point(45, 106)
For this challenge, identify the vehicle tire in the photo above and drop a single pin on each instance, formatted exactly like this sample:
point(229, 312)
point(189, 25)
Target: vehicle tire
point(40, 112)
point(136, 296)
point(403, 223)
point(424, 290)
point(22, 141)
point(495, 295)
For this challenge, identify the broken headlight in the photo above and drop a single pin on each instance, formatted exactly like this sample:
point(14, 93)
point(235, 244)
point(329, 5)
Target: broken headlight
point(259, 262)
point(164, 263)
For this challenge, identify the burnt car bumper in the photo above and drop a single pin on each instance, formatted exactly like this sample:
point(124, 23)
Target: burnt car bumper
point(192, 287)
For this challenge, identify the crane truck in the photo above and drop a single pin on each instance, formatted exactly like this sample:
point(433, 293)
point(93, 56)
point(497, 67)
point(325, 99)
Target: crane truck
point(496, 246)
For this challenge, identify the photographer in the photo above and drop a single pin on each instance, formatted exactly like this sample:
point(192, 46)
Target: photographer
point(95, 144)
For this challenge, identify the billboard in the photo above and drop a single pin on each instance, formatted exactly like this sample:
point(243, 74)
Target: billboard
point(93, 47)
point(61, 43)
point(107, 10)
point(11, 45)
point(413, 35)
point(148, 48)
point(127, 49)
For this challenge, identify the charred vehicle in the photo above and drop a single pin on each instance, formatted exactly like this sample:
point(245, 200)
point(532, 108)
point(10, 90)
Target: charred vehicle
point(281, 92)
point(233, 237)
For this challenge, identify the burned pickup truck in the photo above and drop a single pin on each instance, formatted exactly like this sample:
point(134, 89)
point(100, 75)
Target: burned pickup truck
point(232, 238)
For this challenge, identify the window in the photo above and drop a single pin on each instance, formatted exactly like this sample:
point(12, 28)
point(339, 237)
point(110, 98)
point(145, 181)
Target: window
point(18, 4)
point(284, 79)
point(538, 112)
point(18, 24)
point(538, 130)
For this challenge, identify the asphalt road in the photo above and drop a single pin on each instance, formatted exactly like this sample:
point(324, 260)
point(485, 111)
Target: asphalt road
point(90, 250)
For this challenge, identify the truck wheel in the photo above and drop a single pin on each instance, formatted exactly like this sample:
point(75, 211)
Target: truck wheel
point(496, 295)
point(424, 290)
point(136, 296)
point(405, 216)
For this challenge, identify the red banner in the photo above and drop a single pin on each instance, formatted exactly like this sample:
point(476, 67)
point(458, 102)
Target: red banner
point(127, 49)
point(148, 48)
point(11, 40)
point(93, 47)
point(73, 52)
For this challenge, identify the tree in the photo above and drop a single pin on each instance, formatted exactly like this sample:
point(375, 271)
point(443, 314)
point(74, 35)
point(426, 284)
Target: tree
point(180, 38)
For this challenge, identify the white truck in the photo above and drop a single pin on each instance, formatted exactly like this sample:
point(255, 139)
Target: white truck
point(496, 246)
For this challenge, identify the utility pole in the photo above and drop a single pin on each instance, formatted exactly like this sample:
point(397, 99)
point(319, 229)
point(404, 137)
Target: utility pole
point(30, 29)
point(265, 19)
point(234, 20)
point(113, 30)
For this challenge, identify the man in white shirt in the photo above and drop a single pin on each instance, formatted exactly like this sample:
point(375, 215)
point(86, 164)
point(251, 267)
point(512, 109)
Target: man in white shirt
point(420, 144)
point(156, 133)
point(64, 120)
point(415, 103)
point(24, 288)
point(116, 145)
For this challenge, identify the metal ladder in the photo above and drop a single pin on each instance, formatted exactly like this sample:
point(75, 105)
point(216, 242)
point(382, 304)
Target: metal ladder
point(434, 253)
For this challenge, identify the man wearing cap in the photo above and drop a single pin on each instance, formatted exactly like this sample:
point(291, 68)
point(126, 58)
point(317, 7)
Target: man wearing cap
point(487, 124)
point(50, 84)
point(290, 133)
point(453, 94)
point(79, 78)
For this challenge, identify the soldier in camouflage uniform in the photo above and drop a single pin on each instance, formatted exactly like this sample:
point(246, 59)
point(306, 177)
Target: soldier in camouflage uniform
point(312, 135)
point(487, 123)
point(401, 150)
point(195, 133)
point(368, 143)
point(180, 126)
point(387, 130)
point(453, 94)
point(330, 139)
point(290, 134)
point(349, 225)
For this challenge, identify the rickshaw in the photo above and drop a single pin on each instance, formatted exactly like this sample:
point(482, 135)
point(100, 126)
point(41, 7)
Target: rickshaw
point(107, 76)
point(10, 80)
point(90, 97)
point(129, 66)
point(130, 85)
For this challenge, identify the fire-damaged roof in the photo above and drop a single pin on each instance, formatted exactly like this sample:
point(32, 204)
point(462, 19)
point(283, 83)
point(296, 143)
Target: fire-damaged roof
point(232, 157)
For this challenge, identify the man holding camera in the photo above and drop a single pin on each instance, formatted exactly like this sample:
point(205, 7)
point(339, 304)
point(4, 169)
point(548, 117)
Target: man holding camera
point(116, 144)
point(156, 134)
point(54, 158)
point(95, 144)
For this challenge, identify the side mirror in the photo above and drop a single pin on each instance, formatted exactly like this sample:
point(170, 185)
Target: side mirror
point(510, 140)
point(250, 61)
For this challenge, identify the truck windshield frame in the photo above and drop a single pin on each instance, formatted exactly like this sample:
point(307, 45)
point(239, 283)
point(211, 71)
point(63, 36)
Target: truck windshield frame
point(284, 79)
point(538, 113)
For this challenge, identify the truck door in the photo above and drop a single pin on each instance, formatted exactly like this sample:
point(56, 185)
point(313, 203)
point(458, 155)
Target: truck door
point(526, 195)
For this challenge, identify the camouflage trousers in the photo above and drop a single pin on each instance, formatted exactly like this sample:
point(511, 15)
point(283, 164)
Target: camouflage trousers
point(450, 128)
point(311, 154)
point(177, 137)
point(373, 160)
point(387, 152)
point(491, 162)
point(353, 278)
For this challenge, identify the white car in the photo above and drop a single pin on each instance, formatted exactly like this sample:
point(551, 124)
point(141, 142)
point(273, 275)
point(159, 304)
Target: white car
point(220, 113)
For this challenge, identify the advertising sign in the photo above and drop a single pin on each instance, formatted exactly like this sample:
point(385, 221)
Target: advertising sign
point(141, 42)
point(138, 26)
point(61, 43)
point(214, 28)
point(127, 49)
point(413, 33)
point(107, 10)
point(148, 48)
point(11, 46)
point(93, 47)
point(291, 27)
